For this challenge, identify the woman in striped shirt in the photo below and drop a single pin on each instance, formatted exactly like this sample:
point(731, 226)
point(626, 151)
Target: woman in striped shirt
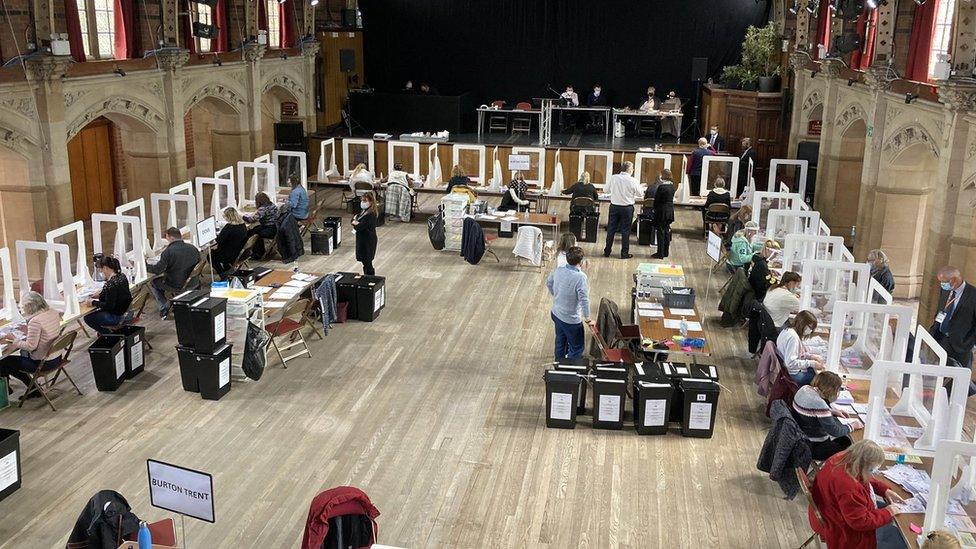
point(43, 327)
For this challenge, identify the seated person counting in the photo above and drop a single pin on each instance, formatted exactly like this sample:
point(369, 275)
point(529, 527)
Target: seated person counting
point(400, 177)
point(760, 277)
point(800, 364)
point(826, 434)
point(113, 300)
point(230, 241)
point(741, 249)
point(42, 329)
point(514, 198)
point(266, 218)
point(569, 97)
point(457, 178)
point(651, 102)
point(844, 492)
point(175, 265)
point(781, 300)
point(297, 199)
point(719, 194)
point(583, 188)
point(360, 175)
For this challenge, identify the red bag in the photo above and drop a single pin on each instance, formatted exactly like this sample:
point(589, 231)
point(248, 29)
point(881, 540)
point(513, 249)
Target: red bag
point(342, 312)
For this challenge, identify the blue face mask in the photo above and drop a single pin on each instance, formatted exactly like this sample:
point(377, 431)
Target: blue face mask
point(364, 205)
point(945, 286)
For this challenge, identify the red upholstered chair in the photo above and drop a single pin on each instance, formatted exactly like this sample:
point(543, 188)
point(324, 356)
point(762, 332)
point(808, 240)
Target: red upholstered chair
point(289, 326)
point(522, 122)
point(610, 354)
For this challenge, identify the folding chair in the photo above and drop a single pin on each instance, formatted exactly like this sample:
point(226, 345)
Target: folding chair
point(522, 123)
point(498, 121)
point(610, 354)
point(801, 476)
point(293, 319)
point(489, 239)
point(306, 224)
point(45, 377)
point(192, 281)
point(133, 315)
point(309, 317)
point(246, 254)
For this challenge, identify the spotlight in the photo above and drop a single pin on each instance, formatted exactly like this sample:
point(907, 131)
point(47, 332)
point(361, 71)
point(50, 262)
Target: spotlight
point(851, 82)
point(909, 97)
point(873, 4)
point(314, 2)
point(119, 71)
point(833, 6)
point(919, 2)
point(282, 1)
point(795, 7)
point(813, 6)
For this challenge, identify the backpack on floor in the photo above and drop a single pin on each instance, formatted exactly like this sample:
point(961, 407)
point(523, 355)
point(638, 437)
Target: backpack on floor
point(435, 230)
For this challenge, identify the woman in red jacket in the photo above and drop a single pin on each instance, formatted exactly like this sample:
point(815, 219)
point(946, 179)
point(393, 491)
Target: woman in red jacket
point(845, 492)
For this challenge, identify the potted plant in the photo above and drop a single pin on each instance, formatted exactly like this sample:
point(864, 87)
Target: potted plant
point(732, 76)
point(760, 65)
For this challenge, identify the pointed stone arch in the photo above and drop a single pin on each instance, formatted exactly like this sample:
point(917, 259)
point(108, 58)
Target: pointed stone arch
point(848, 116)
point(130, 107)
point(906, 137)
point(287, 82)
point(218, 91)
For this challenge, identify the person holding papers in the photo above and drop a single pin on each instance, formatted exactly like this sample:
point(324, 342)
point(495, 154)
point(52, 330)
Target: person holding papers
point(844, 492)
point(800, 364)
point(43, 328)
point(364, 224)
point(297, 199)
point(818, 421)
point(569, 97)
point(624, 191)
point(230, 241)
point(112, 300)
point(266, 218)
point(582, 188)
point(781, 300)
point(515, 198)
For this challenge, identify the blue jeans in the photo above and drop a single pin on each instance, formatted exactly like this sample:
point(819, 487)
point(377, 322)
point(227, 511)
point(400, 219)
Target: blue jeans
point(19, 366)
point(569, 339)
point(101, 320)
point(804, 377)
point(889, 536)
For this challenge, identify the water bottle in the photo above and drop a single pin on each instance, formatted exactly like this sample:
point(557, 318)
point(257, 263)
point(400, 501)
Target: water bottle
point(145, 536)
point(683, 327)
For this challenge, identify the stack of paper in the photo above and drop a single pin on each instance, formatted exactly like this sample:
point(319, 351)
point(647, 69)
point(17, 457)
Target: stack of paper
point(286, 292)
point(682, 312)
point(304, 277)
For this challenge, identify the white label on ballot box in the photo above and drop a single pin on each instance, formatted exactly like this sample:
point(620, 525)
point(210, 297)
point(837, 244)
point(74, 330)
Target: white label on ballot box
point(700, 416)
point(224, 378)
point(338, 233)
point(378, 300)
point(506, 226)
point(136, 353)
point(561, 406)
point(609, 408)
point(220, 326)
point(654, 412)
point(119, 364)
point(8, 470)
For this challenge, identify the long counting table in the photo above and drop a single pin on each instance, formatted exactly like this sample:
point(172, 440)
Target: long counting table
point(604, 110)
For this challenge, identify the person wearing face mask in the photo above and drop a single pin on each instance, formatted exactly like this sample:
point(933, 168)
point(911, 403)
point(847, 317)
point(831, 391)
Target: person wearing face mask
point(811, 409)
point(955, 319)
point(515, 199)
point(800, 364)
point(845, 491)
point(670, 124)
point(878, 261)
point(760, 278)
point(715, 141)
point(596, 99)
point(781, 300)
point(113, 300)
point(365, 226)
point(650, 101)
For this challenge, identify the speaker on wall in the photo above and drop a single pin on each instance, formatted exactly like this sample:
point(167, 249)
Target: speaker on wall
point(349, 18)
point(699, 68)
point(347, 60)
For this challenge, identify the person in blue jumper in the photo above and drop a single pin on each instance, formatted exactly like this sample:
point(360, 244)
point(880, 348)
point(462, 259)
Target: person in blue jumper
point(297, 199)
point(570, 304)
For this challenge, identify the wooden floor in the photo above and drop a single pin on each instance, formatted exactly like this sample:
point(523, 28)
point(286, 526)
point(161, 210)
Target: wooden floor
point(436, 411)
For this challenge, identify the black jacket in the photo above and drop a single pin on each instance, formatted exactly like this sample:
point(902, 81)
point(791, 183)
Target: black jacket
point(759, 276)
point(715, 197)
point(290, 245)
point(105, 522)
point(458, 180)
point(719, 145)
point(472, 241)
point(584, 190)
point(175, 263)
point(664, 203)
point(594, 101)
point(696, 160)
point(230, 242)
point(366, 237)
point(748, 154)
point(115, 297)
point(961, 336)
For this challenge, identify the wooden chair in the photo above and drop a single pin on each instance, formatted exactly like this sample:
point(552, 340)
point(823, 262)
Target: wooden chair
point(293, 319)
point(245, 255)
point(133, 315)
point(498, 121)
point(489, 240)
point(45, 377)
point(801, 476)
point(522, 123)
point(610, 354)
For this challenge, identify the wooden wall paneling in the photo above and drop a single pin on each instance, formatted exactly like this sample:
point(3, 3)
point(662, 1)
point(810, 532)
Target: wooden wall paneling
point(334, 81)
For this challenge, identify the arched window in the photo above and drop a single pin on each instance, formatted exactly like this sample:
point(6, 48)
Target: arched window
point(202, 13)
point(274, 24)
point(942, 35)
point(97, 18)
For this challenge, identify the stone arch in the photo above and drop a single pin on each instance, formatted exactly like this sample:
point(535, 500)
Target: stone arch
point(23, 207)
point(848, 116)
point(216, 136)
point(130, 108)
point(906, 138)
point(812, 100)
point(219, 92)
point(271, 100)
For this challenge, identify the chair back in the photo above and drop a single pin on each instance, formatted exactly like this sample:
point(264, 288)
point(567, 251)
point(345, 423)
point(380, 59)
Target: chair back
point(582, 202)
point(719, 210)
point(498, 104)
point(523, 106)
point(647, 204)
point(362, 186)
point(247, 249)
point(63, 344)
point(804, 480)
point(601, 343)
point(196, 272)
point(296, 310)
point(138, 304)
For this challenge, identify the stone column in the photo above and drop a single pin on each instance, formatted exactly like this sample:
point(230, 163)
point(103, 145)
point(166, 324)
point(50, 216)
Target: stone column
point(883, 39)
point(876, 78)
point(798, 61)
point(253, 53)
point(964, 39)
point(309, 51)
point(54, 208)
point(171, 63)
point(825, 183)
point(170, 23)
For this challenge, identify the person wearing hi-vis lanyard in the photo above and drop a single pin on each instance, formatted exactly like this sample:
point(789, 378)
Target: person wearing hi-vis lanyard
point(955, 319)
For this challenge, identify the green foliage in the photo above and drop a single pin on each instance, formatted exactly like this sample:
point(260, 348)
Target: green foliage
point(760, 55)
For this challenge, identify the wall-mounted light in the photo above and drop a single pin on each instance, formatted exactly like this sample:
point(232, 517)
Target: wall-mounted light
point(909, 97)
point(919, 2)
point(314, 3)
point(813, 6)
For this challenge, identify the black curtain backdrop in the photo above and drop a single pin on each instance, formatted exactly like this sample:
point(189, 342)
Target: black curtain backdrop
point(514, 49)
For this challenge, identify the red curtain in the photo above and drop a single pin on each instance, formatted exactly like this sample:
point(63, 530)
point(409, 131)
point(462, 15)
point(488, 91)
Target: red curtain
point(74, 30)
point(823, 25)
point(861, 58)
point(263, 15)
point(222, 42)
point(126, 30)
point(920, 43)
point(189, 41)
point(286, 13)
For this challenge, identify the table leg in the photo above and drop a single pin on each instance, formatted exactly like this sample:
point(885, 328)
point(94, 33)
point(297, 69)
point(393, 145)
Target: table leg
point(481, 117)
point(606, 122)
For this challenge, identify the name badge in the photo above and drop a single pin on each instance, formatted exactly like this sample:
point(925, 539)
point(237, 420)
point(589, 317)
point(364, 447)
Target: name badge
point(940, 317)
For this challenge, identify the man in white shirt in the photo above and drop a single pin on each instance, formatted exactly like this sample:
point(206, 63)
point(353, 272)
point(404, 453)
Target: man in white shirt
point(571, 97)
point(624, 190)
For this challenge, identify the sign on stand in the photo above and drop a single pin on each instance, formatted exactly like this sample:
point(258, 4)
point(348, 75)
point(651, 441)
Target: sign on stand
point(519, 162)
point(181, 490)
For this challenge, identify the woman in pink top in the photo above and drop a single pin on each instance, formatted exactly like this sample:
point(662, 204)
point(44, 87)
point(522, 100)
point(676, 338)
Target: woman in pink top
point(43, 327)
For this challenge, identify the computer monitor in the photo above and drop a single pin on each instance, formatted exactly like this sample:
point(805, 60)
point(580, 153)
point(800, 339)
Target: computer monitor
point(206, 231)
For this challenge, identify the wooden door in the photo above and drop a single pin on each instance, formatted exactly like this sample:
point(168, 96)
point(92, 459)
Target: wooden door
point(90, 166)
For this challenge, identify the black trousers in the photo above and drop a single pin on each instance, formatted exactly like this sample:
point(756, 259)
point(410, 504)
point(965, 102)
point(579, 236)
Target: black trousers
point(264, 231)
point(620, 221)
point(694, 182)
point(368, 268)
point(823, 450)
point(663, 239)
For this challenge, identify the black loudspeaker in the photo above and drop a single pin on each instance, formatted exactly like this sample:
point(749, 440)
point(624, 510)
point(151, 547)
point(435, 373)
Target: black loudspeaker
point(699, 68)
point(349, 18)
point(289, 136)
point(203, 30)
point(347, 60)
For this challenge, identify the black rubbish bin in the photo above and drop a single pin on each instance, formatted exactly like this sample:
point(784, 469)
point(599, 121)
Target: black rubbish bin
point(581, 367)
point(700, 406)
point(188, 369)
point(609, 396)
point(562, 388)
point(107, 362)
point(9, 462)
point(213, 373)
point(132, 347)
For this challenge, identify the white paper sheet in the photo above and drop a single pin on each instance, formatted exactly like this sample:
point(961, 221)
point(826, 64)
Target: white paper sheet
point(561, 406)
point(673, 324)
point(654, 306)
point(651, 313)
point(8, 470)
point(136, 354)
point(654, 412)
point(682, 312)
point(609, 408)
point(295, 284)
point(120, 364)
point(220, 327)
point(700, 416)
point(275, 304)
point(224, 373)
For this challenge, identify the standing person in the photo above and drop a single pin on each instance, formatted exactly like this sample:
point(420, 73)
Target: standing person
point(624, 191)
point(748, 153)
point(880, 270)
point(515, 198)
point(365, 226)
point(800, 364)
point(112, 300)
point(297, 199)
point(781, 300)
point(175, 265)
point(570, 292)
point(695, 166)
point(844, 491)
point(582, 188)
point(43, 328)
point(265, 217)
point(230, 241)
point(715, 141)
point(664, 213)
point(818, 421)
point(955, 320)
point(566, 241)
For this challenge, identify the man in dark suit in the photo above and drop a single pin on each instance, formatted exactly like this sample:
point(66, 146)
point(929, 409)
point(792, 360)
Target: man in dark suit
point(955, 321)
point(664, 213)
point(596, 99)
point(748, 153)
point(716, 141)
point(695, 166)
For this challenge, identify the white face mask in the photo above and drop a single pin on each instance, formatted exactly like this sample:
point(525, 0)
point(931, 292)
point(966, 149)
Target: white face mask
point(714, 132)
point(364, 205)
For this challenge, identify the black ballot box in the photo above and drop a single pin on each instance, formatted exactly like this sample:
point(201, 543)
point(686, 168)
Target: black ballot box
point(244, 276)
point(188, 370)
point(132, 337)
point(645, 231)
point(675, 372)
point(365, 294)
point(699, 408)
point(208, 320)
point(612, 370)
point(334, 223)
point(322, 241)
point(346, 292)
point(213, 373)
point(581, 367)
point(9, 462)
point(584, 226)
point(705, 371)
point(107, 362)
point(608, 403)
point(179, 307)
point(562, 389)
point(652, 399)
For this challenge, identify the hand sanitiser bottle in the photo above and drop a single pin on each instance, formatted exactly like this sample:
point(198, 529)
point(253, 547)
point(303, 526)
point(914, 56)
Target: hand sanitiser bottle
point(145, 536)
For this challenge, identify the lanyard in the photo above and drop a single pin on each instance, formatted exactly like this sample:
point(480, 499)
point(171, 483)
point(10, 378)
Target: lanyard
point(950, 301)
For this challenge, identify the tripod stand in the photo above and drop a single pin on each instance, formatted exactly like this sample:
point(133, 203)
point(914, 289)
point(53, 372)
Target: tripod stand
point(694, 129)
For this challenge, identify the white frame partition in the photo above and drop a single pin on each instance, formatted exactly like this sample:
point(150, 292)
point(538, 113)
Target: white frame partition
point(228, 172)
point(271, 181)
point(137, 259)
point(182, 188)
point(370, 151)
point(216, 204)
point(831, 270)
point(639, 159)
point(333, 170)
point(581, 164)
point(803, 222)
point(173, 199)
point(732, 186)
point(302, 163)
point(82, 276)
point(911, 402)
point(458, 148)
point(435, 174)
point(889, 347)
point(9, 311)
point(948, 454)
point(777, 162)
point(793, 201)
point(140, 206)
point(414, 147)
point(57, 258)
point(801, 247)
point(541, 166)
